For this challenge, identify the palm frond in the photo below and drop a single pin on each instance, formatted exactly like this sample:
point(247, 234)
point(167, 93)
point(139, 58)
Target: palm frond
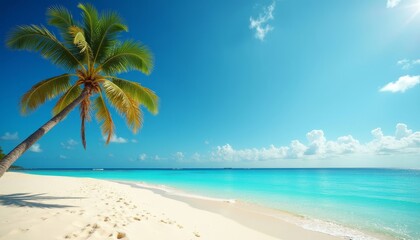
point(40, 39)
point(124, 104)
point(109, 25)
point(129, 55)
point(90, 21)
point(69, 96)
point(44, 90)
point(143, 95)
point(60, 17)
point(103, 116)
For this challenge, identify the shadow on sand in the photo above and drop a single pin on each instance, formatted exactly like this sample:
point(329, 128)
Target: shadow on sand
point(32, 200)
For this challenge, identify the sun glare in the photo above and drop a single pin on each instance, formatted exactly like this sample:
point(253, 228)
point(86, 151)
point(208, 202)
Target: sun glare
point(414, 8)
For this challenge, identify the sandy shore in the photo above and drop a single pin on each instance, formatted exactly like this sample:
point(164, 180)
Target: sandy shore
point(47, 207)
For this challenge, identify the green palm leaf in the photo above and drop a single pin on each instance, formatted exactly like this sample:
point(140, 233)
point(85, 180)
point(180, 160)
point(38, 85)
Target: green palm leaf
point(109, 25)
point(60, 17)
point(141, 94)
point(103, 116)
point(38, 38)
point(69, 96)
point(43, 91)
point(124, 104)
point(90, 22)
point(127, 56)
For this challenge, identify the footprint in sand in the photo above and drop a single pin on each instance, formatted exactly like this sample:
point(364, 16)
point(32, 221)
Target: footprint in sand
point(197, 234)
point(120, 235)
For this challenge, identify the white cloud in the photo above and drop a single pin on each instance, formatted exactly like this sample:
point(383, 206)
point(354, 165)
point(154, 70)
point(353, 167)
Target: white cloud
point(10, 136)
point(63, 157)
point(316, 142)
point(69, 144)
point(296, 150)
point(377, 133)
point(179, 155)
point(404, 63)
point(35, 148)
point(196, 157)
point(407, 64)
point(207, 142)
point(392, 3)
point(402, 131)
point(142, 157)
point(134, 140)
point(260, 24)
point(228, 153)
point(116, 139)
point(402, 84)
point(404, 141)
point(344, 145)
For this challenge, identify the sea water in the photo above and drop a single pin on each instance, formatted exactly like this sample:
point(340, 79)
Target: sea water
point(335, 201)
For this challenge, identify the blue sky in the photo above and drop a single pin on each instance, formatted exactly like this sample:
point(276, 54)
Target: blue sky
point(251, 84)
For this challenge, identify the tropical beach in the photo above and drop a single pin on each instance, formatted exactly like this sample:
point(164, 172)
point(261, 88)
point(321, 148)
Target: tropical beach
point(104, 203)
point(94, 209)
point(263, 119)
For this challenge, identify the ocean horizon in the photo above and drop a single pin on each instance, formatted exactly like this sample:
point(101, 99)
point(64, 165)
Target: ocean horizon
point(337, 201)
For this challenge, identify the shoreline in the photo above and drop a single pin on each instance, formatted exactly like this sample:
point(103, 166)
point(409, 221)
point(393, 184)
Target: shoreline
point(245, 213)
point(87, 208)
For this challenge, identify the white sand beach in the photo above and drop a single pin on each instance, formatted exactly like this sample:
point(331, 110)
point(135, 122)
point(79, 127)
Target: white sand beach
point(49, 207)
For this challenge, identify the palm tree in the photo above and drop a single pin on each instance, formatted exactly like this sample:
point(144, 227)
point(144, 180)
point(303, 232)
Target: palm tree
point(1, 153)
point(92, 55)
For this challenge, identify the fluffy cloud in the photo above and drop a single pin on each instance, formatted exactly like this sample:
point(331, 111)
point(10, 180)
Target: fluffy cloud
point(196, 157)
point(403, 141)
point(142, 157)
point(179, 155)
point(228, 153)
point(407, 64)
point(296, 149)
point(402, 84)
point(402, 131)
point(392, 3)
point(116, 139)
point(10, 136)
point(316, 142)
point(260, 24)
point(63, 157)
point(69, 144)
point(35, 148)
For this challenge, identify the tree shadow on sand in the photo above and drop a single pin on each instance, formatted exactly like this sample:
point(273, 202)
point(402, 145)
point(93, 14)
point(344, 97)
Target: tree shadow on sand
point(32, 200)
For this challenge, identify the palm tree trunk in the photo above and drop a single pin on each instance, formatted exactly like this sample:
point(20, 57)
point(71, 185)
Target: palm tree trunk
point(13, 155)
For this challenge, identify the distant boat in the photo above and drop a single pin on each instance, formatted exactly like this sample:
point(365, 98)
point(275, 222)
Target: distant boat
point(97, 169)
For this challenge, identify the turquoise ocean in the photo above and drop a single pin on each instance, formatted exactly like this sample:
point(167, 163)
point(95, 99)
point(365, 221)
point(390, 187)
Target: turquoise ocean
point(336, 201)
